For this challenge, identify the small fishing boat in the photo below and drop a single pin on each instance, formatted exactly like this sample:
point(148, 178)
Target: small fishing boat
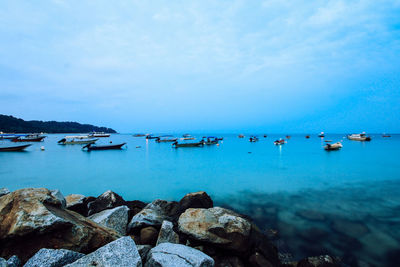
point(279, 142)
point(139, 135)
point(335, 146)
point(265, 136)
point(253, 139)
point(165, 140)
point(13, 148)
point(322, 134)
point(211, 140)
point(78, 141)
point(91, 147)
point(197, 144)
point(187, 137)
point(359, 137)
point(307, 136)
point(241, 136)
point(386, 135)
point(29, 139)
point(77, 136)
point(328, 141)
point(99, 134)
point(150, 136)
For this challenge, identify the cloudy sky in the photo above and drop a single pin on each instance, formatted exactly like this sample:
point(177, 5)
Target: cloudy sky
point(226, 66)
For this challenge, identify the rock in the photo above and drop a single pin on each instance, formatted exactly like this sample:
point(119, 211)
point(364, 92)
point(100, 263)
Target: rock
point(57, 194)
point(78, 203)
point(14, 261)
point(258, 260)
point(53, 258)
point(218, 226)
point(121, 252)
point(148, 236)
point(319, 261)
point(260, 243)
point(32, 219)
point(116, 219)
point(107, 200)
point(350, 228)
point(195, 200)
point(135, 207)
point(167, 234)
point(4, 191)
point(143, 251)
point(172, 255)
point(3, 262)
point(228, 261)
point(154, 214)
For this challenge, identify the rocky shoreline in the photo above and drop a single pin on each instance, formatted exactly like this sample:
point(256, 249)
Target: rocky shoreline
point(41, 227)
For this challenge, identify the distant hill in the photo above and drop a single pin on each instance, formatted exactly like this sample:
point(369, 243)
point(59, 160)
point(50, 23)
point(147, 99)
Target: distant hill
point(10, 124)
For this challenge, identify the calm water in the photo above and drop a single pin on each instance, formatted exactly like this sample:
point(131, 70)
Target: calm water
point(346, 201)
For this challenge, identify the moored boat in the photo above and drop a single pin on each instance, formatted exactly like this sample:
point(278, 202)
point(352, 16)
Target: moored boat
point(139, 135)
point(99, 134)
point(241, 136)
point(197, 144)
point(211, 140)
point(386, 135)
point(28, 139)
point(279, 142)
point(307, 136)
point(165, 139)
point(322, 134)
point(253, 139)
point(13, 148)
point(78, 141)
point(335, 146)
point(150, 136)
point(359, 137)
point(91, 147)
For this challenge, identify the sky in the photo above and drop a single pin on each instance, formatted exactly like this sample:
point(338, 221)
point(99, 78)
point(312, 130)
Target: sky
point(270, 66)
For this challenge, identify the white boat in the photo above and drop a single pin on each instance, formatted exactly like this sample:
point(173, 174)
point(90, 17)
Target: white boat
point(99, 134)
point(359, 137)
point(77, 136)
point(335, 146)
point(77, 141)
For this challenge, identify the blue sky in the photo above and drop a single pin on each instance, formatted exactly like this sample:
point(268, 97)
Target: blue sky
point(225, 66)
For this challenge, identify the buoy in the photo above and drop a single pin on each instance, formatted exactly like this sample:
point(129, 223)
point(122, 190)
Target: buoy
point(42, 148)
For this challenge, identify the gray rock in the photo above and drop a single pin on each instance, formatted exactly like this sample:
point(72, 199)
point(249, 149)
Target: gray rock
point(57, 194)
point(167, 234)
point(172, 255)
point(107, 200)
point(3, 262)
point(53, 258)
point(154, 214)
point(4, 191)
point(116, 218)
point(74, 199)
point(121, 252)
point(14, 261)
point(143, 251)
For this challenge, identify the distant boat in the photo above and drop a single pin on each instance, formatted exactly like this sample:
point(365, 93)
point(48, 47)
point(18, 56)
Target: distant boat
point(13, 148)
point(386, 135)
point(359, 137)
point(99, 134)
point(211, 140)
point(80, 141)
point(241, 136)
point(28, 139)
point(187, 137)
point(265, 136)
point(197, 144)
point(279, 142)
point(90, 147)
point(335, 146)
point(139, 135)
point(77, 136)
point(165, 140)
point(253, 139)
point(288, 136)
point(307, 136)
point(322, 134)
point(150, 136)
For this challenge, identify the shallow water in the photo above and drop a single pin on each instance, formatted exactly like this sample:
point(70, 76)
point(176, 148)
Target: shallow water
point(345, 201)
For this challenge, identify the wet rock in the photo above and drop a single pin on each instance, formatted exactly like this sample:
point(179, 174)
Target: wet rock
point(116, 219)
point(311, 215)
point(319, 261)
point(228, 261)
point(195, 200)
point(143, 251)
point(14, 261)
point(3, 262)
point(135, 207)
point(167, 234)
point(107, 200)
point(154, 214)
point(4, 191)
point(218, 226)
point(172, 255)
point(260, 243)
point(57, 194)
point(258, 260)
point(78, 203)
point(33, 218)
point(148, 236)
point(53, 258)
point(350, 228)
point(121, 252)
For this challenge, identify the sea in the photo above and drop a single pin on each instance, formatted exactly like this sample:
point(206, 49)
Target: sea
point(309, 201)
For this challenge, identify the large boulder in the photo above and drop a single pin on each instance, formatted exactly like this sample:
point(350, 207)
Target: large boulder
point(32, 219)
point(53, 258)
point(116, 219)
point(57, 194)
point(121, 252)
point(167, 234)
point(78, 203)
point(107, 200)
point(14, 261)
point(148, 236)
point(135, 207)
point(154, 214)
point(218, 226)
point(195, 200)
point(4, 191)
point(172, 255)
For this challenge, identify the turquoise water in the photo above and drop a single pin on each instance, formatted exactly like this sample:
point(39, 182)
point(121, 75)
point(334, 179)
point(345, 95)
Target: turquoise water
point(276, 185)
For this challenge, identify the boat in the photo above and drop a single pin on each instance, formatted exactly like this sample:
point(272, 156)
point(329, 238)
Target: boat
point(265, 136)
point(150, 136)
point(78, 141)
point(197, 144)
point(211, 140)
point(99, 134)
point(322, 134)
point(187, 137)
point(77, 136)
point(241, 136)
point(253, 139)
point(29, 139)
point(165, 140)
point(279, 142)
point(328, 141)
point(359, 137)
point(335, 146)
point(288, 136)
point(91, 147)
point(139, 135)
point(13, 148)
point(307, 136)
point(11, 136)
point(386, 135)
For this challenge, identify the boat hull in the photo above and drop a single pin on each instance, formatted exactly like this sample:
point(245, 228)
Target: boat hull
point(199, 144)
point(108, 147)
point(37, 139)
point(13, 148)
point(80, 142)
